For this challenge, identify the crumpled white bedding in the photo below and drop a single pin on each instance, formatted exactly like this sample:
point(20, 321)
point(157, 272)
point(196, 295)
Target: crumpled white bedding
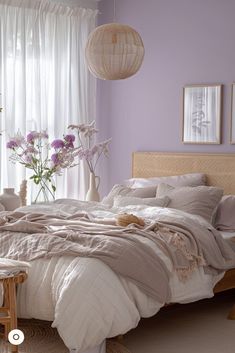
point(10, 267)
point(85, 299)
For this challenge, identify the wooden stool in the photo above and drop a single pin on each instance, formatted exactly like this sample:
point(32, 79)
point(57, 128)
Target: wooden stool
point(9, 320)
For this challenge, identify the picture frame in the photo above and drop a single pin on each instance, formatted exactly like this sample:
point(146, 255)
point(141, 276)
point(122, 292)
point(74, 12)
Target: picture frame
point(232, 120)
point(202, 105)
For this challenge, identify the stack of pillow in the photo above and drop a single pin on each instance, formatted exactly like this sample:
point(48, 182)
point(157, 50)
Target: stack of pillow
point(186, 192)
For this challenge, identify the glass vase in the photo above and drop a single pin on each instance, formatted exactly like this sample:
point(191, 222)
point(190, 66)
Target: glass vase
point(43, 192)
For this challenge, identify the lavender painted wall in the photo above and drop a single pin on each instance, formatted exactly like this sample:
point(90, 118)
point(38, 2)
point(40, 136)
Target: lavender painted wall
point(186, 41)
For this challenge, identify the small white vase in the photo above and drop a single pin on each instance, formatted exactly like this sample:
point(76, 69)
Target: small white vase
point(92, 193)
point(9, 199)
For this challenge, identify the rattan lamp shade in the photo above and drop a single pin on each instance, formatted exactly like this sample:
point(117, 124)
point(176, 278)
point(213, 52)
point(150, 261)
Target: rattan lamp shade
point(114, 51)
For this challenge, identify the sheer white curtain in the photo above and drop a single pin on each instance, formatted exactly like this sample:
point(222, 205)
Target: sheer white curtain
point(44, 80)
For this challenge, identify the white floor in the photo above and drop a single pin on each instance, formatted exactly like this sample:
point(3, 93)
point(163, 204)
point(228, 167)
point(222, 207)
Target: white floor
point(200, 327)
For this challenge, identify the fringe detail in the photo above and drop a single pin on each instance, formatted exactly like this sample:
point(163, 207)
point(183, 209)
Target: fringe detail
point(178, 241)
point(185, 273)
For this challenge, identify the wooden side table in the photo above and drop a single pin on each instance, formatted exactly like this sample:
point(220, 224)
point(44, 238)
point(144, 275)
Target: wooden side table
point(8, 313)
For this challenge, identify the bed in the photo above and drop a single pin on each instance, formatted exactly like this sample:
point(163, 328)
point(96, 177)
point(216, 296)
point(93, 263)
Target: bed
point(111, 303)
point(219, 170)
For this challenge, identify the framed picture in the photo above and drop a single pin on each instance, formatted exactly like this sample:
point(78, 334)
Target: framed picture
point(232, 126)
point(202, 114)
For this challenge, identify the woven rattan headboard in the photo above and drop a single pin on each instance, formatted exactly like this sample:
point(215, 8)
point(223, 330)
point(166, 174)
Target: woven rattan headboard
point(219, 168)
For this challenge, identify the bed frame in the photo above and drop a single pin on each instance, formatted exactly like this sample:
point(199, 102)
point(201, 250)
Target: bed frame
point(219, 170)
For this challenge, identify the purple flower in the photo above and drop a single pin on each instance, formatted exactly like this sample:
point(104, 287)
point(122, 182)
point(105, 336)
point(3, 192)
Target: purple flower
point(58, 144)
point(55, 158)
point(28, 158)
point(32, 136)
point(69, 138)
point(30, 149)
point(44, 135)
point(16, 141)
point(69, 145)
point(12, 144)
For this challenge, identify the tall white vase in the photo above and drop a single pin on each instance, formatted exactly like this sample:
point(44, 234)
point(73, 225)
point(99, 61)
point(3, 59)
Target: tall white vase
point(92, 193)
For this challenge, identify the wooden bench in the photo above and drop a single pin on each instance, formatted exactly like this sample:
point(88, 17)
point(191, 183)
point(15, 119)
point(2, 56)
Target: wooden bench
point(8, 313)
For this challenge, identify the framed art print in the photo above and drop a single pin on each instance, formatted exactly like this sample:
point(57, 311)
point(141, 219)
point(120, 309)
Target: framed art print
point(202, 114)
point(232, 127)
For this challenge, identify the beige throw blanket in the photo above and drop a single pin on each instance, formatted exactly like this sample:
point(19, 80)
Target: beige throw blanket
point(189, 244)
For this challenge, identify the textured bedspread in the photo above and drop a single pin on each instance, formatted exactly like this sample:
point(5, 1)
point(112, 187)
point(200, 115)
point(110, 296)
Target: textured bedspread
point(118, 247)
point(29, 236)
point(88, 301)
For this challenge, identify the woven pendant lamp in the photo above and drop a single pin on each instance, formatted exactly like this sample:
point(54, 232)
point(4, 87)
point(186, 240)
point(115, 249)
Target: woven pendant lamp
point(114, 51)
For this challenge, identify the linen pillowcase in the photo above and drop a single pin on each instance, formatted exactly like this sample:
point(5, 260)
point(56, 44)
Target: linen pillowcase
point(122, 201)
point(198, 200)
point(225, 214)
point(126, 191)
point(193, 179)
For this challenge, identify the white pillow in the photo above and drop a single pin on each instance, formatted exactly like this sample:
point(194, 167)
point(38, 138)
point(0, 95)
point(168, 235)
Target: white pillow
point(121, 201)
point(126, 191)
point(193, 179)
point(198, 200)
point(224, 216)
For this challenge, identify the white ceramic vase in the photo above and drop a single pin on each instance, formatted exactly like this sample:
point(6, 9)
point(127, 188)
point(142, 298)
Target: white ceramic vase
point(92, 193)
point(9, 199)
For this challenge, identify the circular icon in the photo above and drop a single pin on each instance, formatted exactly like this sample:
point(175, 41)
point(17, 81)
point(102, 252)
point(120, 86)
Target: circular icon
point(16, 337)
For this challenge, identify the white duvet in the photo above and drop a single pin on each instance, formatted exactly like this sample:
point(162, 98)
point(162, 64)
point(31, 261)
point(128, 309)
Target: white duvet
point(85, 299)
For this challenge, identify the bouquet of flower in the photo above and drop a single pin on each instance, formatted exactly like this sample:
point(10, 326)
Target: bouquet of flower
point(44, 159)
point(89, 151)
